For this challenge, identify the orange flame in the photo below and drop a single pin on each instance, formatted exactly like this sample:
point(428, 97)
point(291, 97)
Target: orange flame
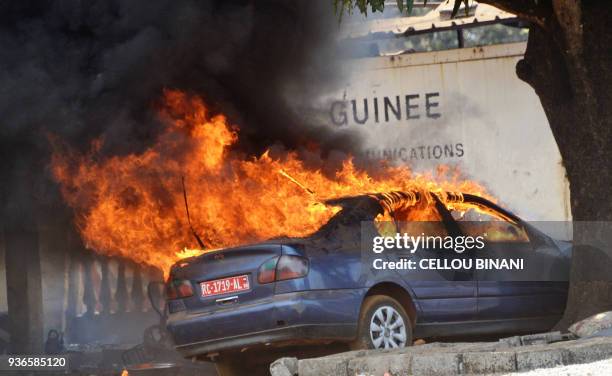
point(132, 206)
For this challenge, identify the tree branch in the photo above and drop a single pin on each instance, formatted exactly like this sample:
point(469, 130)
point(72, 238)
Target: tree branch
point(531, 10)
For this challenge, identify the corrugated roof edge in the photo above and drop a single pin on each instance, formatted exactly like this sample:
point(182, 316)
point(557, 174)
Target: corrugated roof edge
point(436, 20)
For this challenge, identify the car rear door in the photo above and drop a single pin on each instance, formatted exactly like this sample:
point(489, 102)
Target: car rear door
point(443, 295)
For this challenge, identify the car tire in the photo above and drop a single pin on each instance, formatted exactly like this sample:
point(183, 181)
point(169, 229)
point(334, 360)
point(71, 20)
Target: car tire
point(383, 324)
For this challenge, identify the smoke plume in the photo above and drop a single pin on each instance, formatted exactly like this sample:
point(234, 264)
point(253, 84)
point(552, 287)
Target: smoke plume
point(84, 69)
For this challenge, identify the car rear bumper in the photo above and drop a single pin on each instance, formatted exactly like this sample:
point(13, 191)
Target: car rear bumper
point(293, 318)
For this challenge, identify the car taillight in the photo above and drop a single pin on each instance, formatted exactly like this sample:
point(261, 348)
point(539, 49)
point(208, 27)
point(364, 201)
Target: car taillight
point(267, 271)
point(282, 268)
point(290, 267)
point(177, 289)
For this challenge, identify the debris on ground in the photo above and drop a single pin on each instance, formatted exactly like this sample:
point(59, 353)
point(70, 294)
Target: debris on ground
point(537, 339)
point(592, 325)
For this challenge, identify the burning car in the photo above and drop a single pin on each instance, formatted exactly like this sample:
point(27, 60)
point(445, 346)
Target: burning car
point(313, 290)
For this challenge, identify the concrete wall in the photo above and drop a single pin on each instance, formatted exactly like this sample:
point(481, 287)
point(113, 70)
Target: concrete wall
point(461, 107)
point(53, 267)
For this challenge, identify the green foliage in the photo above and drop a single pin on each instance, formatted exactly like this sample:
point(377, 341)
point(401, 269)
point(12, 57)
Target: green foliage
point(458, 4)
point(341, 6)
point(409, 5)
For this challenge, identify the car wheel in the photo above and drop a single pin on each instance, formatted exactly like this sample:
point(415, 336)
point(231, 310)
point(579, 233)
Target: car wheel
point(383, 324)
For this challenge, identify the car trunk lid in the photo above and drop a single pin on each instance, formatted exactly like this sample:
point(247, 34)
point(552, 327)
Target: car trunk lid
point(226, 277)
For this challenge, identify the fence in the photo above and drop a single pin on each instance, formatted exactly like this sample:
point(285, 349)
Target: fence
point(106, 298)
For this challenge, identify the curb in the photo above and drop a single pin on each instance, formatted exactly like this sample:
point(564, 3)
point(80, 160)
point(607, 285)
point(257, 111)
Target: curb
point(441, 359)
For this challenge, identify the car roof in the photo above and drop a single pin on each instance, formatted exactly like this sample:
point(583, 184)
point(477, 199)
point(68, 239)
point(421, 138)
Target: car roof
point(396, 200)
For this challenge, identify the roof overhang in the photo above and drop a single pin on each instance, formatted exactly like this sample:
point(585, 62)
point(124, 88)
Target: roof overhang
point(438, 19)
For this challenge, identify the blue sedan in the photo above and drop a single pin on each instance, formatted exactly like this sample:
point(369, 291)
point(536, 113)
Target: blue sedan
point(322, 289)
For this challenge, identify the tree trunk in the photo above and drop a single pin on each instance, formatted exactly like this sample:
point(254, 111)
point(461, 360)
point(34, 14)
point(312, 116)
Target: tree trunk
point(569, 64)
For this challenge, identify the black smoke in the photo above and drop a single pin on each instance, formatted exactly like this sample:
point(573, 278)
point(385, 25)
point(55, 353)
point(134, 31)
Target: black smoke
point(81, 69)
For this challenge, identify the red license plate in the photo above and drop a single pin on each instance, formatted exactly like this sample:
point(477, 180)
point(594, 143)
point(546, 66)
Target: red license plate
point(225, 285)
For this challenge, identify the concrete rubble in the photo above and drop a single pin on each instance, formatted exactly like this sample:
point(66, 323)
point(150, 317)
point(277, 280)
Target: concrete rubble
point(284, 367)
point(592, 325)
point(440, 359)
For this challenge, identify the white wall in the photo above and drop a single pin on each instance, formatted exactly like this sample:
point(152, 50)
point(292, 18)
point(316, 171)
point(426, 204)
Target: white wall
point(490, 123)
point(53, 268)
